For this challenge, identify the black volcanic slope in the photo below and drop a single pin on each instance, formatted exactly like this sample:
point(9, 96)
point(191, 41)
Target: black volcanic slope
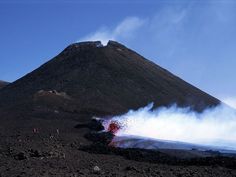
point(102, 80)
point(3, 84)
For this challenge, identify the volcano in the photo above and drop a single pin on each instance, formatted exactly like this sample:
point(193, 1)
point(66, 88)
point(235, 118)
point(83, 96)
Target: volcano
point(89, 78)
point(50, 116)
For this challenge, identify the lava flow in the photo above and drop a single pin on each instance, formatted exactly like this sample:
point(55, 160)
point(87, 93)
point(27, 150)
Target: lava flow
point(114, 127)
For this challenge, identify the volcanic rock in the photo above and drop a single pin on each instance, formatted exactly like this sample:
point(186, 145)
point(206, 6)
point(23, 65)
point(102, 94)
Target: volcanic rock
point(102, 138)
point(96, 169)
point(3, 84)
point(20, 156)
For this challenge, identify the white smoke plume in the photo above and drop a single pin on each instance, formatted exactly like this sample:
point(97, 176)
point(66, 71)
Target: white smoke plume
point(214, 127)
point(124, 30)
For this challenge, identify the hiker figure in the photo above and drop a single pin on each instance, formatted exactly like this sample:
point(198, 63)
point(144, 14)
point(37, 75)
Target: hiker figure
point(58, 132)
point(35, 130)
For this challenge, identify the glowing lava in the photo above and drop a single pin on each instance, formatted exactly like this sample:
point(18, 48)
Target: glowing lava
point(114, 127)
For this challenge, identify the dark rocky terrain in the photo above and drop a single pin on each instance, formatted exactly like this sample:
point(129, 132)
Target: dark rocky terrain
point(3, 84)
point(46, 117)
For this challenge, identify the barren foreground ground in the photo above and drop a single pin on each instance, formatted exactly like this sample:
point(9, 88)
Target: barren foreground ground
point(50, 146)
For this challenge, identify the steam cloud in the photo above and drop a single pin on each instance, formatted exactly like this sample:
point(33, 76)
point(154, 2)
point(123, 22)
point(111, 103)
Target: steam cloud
point(214, 127)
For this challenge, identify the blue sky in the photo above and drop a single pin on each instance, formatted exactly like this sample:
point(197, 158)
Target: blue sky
point(195, 40)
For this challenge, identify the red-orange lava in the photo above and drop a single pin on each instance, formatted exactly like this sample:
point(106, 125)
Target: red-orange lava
point(114, 127)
